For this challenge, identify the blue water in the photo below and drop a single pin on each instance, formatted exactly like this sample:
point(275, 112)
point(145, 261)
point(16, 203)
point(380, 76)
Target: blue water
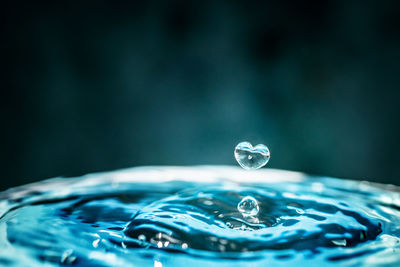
point(175, 216)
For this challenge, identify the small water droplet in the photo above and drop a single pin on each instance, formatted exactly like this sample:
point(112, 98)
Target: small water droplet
point(223, 241)
point(213, 238)
point(250, 157)
point(248, 206)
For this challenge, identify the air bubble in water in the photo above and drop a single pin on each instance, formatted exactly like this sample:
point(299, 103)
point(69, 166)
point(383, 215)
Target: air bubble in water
point(250, 157)
point(248, 206)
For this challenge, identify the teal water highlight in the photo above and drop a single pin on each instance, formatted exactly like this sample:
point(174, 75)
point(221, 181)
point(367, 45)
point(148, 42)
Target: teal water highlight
point(219, 216)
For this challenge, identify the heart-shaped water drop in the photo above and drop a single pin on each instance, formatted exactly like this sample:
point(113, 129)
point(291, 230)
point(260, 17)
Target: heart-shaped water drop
point(250, 157)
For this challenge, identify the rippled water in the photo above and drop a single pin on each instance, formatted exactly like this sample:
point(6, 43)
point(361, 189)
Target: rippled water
point(175, 216)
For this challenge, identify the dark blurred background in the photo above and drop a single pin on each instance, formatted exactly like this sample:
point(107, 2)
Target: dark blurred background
point(100, 85)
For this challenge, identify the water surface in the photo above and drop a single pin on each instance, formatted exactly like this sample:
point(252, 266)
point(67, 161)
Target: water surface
point(174, 216)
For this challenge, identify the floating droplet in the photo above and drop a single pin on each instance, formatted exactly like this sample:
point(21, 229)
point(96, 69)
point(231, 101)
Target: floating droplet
point(248, 206)
point(250, 157)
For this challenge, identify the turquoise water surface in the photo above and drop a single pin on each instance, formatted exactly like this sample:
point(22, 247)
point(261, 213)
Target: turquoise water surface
point(176, 216)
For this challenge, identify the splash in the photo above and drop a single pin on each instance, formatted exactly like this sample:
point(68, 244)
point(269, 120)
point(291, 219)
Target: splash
point(219, 216)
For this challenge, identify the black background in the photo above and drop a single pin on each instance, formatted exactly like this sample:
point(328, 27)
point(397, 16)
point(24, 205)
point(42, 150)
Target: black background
point(99, 85)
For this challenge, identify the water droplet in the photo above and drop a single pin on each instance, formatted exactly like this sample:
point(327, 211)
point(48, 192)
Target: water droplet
point(223, 241)
point(250, 157)
point(248, 206)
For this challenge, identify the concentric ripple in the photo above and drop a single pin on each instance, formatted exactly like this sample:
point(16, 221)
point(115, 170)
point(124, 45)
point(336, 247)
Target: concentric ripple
point(169, 216)
point(283, 223)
